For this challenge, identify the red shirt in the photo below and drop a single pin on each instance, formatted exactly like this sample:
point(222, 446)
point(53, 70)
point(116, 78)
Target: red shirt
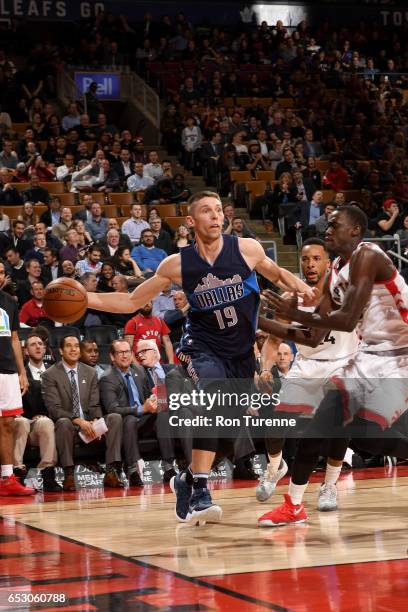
point(337, 180)
point(30, 313)
point(146, 328)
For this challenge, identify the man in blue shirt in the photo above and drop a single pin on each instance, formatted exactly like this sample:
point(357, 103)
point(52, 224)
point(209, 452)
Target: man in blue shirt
point(124, 390)
point(98, 225)
point(146, 255)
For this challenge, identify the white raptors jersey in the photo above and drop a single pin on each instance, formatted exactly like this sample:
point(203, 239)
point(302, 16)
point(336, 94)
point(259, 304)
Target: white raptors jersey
point(336, 344)
point(384, 322)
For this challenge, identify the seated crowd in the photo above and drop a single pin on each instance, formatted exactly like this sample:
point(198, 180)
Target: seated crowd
point(325, 115)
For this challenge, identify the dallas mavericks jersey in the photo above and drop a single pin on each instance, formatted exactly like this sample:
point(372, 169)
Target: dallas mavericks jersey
point(224, 301)
point(384, 323)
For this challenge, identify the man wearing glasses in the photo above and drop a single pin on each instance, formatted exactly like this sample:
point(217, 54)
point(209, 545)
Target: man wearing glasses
point(124, 390)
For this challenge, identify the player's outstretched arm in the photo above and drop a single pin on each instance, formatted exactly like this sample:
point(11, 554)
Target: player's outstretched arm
point(167, 272)
point(363, 271)
point(306, 335)
point(255, 256)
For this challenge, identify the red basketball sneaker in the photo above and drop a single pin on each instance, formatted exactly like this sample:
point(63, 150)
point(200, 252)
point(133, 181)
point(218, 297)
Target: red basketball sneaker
point(11, 486)
point(284, 514)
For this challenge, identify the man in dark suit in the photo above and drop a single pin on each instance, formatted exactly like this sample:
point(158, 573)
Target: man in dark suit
point(34, 425)
point(52, 215)
point(163, 380)
point(14, 238)
point(124, 168)
point(124, 391)
point(71, 396)
point(210, 153)
point(35, 193)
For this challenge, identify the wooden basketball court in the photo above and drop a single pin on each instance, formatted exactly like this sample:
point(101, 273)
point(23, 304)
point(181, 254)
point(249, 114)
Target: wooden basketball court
point(124, 550)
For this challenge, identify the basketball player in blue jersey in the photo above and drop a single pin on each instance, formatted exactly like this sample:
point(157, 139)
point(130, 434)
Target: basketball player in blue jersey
point(218, 275)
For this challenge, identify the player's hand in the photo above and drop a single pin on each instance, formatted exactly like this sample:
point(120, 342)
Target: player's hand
point(311, 297)
point(264, 308)
point(284, 305)
point(23, 380)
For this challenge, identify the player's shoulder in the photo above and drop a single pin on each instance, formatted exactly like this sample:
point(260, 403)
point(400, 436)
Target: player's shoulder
point(367, 250)
point(171, 262)
point(249, 246)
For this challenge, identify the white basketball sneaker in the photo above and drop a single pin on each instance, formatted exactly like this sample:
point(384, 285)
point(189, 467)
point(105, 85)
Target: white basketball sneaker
point(269, 480)
point(327, 498)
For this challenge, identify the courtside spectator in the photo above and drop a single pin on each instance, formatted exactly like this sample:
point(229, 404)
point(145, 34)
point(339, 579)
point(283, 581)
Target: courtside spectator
point(71, 396)
point(144, 326)
point(34, 426)
point(90, 356)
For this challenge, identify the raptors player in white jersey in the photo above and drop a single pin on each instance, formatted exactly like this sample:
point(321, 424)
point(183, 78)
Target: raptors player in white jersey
point(372, 296)
point(320, 354)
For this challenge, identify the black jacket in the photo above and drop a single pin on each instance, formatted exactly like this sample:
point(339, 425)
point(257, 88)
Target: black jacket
point(33, 403)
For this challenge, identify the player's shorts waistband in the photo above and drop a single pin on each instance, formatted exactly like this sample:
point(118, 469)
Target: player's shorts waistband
point(393, 353)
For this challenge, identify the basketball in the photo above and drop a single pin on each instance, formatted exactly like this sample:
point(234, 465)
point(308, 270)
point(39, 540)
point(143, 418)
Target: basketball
point(65, 300)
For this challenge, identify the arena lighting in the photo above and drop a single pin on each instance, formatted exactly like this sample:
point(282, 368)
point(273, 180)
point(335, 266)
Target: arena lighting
point(289, 14)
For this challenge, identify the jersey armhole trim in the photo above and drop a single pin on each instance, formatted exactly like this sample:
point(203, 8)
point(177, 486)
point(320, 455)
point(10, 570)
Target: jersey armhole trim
point(390, 280)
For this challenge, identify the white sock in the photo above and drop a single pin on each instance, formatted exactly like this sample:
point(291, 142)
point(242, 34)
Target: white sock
point(6, 471)
point(296, 492)
point(332, 474)
point(274, 463)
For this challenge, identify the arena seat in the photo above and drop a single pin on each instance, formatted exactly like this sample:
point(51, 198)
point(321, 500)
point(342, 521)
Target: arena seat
point(110, 210)
point(322, 164)
point(328, 195)
point(121, 198)
point(352, 194)
point(23, 333)
point(174, 222)
point(19, 128)
point(21, 186)
point(53, 186)
point(167, 210)
point(254, 189)
point(67, 199)
point(265, 175)
point(12, 211)
point(57, 333)
point(102, 334)
point(240, 176)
